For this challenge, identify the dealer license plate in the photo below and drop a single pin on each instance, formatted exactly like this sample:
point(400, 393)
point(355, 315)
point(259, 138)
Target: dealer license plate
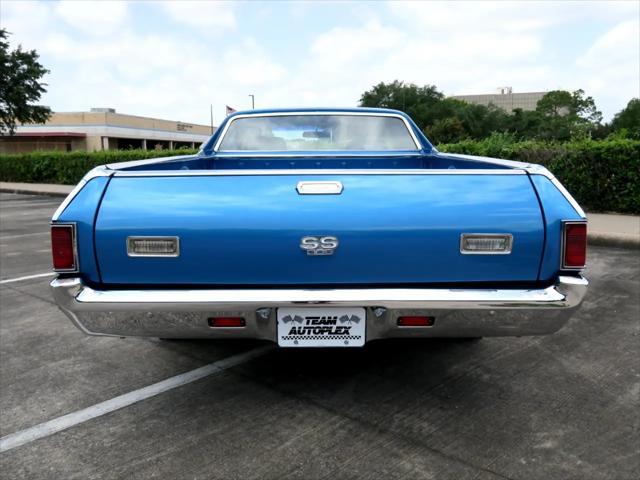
point(321, 327)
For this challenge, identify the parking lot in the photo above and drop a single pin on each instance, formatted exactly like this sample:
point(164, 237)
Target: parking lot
point(557, 407)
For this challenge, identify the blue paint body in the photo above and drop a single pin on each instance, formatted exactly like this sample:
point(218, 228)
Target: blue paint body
point(393, 229)
point(247, 229)
point(82, 211)
point(556, 209)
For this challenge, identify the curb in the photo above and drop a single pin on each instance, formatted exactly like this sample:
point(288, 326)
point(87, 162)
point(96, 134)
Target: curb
point(621, 240)
point(26, 191)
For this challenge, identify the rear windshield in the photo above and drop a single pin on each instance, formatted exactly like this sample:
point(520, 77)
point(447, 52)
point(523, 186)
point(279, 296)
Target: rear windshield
point(317, 132)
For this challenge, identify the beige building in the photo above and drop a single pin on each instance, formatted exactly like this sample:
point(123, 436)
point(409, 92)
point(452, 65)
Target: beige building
point(505, 99)
point(104, 129)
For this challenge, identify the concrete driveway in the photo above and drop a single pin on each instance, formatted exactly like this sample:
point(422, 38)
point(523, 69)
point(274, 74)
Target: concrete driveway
point(557, 407)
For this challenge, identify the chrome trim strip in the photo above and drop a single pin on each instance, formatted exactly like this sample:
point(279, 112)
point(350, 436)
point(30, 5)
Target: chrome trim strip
point(562, 243)
point(100, 171)
point(550, 297)
point(216, 148)
point(492, 161)
point(508, 236)
point(131, 239)
point(319, 188)
point(562, 190)
point(316, 172)
point(74, 235)
point(150, 161)
point(320, 153)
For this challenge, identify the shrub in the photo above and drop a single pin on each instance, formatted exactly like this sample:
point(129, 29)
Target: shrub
point(68, 168)
point(603, 175)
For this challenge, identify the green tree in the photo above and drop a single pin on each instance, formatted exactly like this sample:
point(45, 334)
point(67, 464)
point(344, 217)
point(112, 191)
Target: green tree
point(20, 86)
point(524, 124)
point(446, 130)
point(628, 119)
point(442, 119)
point(417, 102)
point(567, 114)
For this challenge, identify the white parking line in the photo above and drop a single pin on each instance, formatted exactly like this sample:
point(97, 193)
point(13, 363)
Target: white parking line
point(28, 277)
point(45, 429)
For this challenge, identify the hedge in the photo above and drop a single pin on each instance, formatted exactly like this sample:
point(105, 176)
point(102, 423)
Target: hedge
point(603, 175)
point(68, 168)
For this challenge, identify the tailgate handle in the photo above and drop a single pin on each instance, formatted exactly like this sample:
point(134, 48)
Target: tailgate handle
point(319, 188)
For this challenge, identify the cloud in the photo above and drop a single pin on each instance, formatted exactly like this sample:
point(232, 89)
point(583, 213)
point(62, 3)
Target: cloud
point(610, 67)
point(157, 58)
point(93, 18)
point(167, 75)
point(25, 20)
point(461, 17)
point(206, 15)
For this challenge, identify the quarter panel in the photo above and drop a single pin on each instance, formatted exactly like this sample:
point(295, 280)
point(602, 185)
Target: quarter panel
point(556, 209)
point(82, 211)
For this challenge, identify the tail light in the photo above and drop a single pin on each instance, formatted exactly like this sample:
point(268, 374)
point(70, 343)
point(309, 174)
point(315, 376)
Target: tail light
point(226, 322)
point(574, 245)
point(63, 248)
point(416, 321)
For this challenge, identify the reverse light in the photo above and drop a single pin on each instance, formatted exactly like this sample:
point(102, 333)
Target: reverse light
point(153, 246)
point(486, 243)
point(63, 247)
point(416, 321)
point(226, 322)
point(574, 245)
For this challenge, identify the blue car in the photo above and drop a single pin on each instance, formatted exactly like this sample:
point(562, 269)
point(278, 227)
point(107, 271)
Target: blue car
point(319, 228)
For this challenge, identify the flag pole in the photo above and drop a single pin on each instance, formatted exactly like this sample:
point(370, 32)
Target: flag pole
point(211, 111)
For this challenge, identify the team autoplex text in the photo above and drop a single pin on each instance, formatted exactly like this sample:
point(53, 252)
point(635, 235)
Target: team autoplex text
point(324, 325)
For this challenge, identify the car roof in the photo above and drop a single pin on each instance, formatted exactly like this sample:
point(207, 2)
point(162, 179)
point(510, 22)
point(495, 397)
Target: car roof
point(320, 109)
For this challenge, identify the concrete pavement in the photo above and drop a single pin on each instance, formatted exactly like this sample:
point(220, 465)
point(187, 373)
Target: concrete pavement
point(563, 406)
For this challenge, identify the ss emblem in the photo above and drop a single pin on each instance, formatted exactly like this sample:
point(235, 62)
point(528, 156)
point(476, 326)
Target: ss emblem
point(324, 245)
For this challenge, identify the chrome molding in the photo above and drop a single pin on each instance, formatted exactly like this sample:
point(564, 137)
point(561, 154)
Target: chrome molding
point(151, 161)
point(540, 170)
point(319, 153)
point(319, 187)
point(75, 247)
point(550, 297)
point(101, 171)
point(492, 161)
point(315, 172)
point(216, 148)
point(184, 313)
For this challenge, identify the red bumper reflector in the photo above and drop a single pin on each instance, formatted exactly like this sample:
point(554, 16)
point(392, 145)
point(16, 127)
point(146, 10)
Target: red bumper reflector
point(62, 248)
point(575, 245)
point(222, 322)
point(416, 321)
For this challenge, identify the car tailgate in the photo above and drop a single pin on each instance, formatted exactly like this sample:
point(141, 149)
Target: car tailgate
point(392, 228)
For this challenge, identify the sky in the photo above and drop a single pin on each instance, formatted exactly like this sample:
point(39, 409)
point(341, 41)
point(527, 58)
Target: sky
point(174, 59)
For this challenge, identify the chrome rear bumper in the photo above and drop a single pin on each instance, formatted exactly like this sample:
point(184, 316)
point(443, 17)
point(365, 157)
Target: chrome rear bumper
point(184, 313)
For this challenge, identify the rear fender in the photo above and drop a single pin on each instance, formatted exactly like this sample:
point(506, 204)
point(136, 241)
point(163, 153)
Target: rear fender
point(557, 206)
point(81, 208)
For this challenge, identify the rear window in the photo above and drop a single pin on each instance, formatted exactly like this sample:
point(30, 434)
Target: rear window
point(317, 132)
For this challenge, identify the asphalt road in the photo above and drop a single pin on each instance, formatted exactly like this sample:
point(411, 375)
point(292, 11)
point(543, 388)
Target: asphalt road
point(558, 407)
